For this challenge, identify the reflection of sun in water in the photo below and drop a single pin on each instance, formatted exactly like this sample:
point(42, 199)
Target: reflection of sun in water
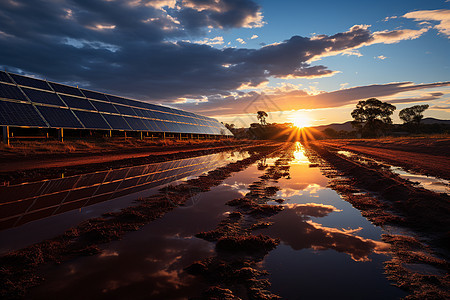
point(299, 154)
point(300, 120)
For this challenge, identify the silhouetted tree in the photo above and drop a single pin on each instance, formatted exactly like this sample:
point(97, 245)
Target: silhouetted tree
point(262, 115)
point(413, 114)
point(372, 116)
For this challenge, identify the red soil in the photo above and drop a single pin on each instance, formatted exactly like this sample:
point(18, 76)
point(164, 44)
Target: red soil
point(430, 156)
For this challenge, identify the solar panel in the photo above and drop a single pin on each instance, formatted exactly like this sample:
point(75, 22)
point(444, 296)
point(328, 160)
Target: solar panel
point(60, 88)
point(116, 99)
point(160, 115)
point(141, 112)
point(135, 123)
point(19, 114)
point(165, 109)
point(43, 97)
point(136, 103)
point(125, 110)
point(11, 92)
point(134, 115)
point(117, 122)
point(160, 125)
point(150, 125)
point(4, 77)
point(75, 102)
point(59, 117)
point(91, 120)
point(176, 118)
point(149, 114)
point(151, 106)
point(31, 82)
point(94, 95)
point(104, 107)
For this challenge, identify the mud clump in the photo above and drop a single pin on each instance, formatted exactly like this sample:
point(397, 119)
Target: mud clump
point(248, 244)
point(219, 293)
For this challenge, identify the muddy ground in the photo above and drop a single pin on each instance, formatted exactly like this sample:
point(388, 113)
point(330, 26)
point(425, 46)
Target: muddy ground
point(426, 155)
point(382, 197)
point(388, 200)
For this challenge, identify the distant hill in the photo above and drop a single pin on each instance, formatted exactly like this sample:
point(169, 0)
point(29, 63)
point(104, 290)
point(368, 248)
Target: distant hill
point(434, 121)
point(347, 126)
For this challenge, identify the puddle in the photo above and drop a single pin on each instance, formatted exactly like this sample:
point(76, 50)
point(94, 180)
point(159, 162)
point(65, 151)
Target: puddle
point(328, 250)
point(431, 183)
point(33, 211)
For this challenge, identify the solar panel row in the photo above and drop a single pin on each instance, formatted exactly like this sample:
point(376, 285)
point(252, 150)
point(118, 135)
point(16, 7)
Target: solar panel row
point(26, 101)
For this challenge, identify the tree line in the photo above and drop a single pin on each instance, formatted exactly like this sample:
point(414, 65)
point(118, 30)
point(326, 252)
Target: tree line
point(371, 118)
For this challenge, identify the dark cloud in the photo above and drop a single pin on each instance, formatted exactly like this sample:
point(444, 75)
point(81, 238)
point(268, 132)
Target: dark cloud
point(136, 48)
point(221, 14)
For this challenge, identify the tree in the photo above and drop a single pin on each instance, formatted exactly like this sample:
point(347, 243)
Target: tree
point(262, 115)
point(372, 116)
point(413, 114)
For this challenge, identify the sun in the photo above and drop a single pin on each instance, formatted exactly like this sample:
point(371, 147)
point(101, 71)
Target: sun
point(301, 120)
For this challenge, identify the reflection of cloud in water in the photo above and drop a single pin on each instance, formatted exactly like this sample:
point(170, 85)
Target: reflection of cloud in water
point(295, 229)
point(299, 189)
point(241, 188)
point(153, 268)
point(311, 209)
point(313, 188)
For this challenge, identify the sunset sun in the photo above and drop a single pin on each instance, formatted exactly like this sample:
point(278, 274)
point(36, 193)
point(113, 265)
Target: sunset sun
point(301, 120)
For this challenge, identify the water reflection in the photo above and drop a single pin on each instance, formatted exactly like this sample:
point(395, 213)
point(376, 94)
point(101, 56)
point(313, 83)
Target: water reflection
point(295, 228)
point(23, 203)
point(147, 264)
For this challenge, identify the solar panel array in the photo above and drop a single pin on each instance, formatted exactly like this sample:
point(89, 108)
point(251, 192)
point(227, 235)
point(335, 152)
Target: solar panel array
point(31, 102)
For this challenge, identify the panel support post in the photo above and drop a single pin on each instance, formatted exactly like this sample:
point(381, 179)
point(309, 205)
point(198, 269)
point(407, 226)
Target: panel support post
point(5, 131)
point(60, 134)
point(142, 136)
point(125, 134)
point(110, 133)
point(164, 135)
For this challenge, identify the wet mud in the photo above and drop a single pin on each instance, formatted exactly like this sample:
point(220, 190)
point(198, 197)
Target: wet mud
point(419, 261)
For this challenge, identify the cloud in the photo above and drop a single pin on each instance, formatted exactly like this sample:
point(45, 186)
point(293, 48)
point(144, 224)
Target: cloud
point(98, 44)
point(442, 16)
point(294, 99)
point(382, 57)
point(254, 37)
point(440, 107)
point(240, 41)
point(389, 18)
point(424, 98)
point(395, 36)
point(218, 40)
point(221, 13)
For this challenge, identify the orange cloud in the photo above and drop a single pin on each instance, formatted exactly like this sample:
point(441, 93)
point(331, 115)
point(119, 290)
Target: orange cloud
point(442, 16)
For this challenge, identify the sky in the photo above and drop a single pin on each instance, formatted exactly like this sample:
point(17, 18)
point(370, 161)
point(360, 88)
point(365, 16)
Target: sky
point(309, 60)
